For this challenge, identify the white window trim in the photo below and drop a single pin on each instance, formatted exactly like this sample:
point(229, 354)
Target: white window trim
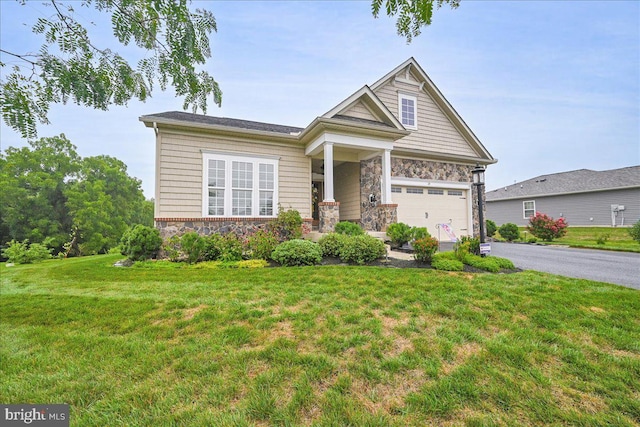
point(228, 193)
point(524, 210)
point(413, 98)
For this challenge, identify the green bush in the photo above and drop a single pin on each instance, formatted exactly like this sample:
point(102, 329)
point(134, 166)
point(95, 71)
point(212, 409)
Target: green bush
point(486, 263)
point(213, 246)
point(503, 263)
point(171, 248)
point(546, 228)
point(423, 249)
point(509, 232)
point(261, 244)
point(23, 253)
point(362, 249)
point(349, 228)
point(287, 226)
point(193, 246)
point(634, 232)
point(418, 233)
point(231, 248)
point(491, 228)
point(472, 244)
point(446, 261)
point(331, 244)
point(141, 242)
point(399, 233)
point(297, 252)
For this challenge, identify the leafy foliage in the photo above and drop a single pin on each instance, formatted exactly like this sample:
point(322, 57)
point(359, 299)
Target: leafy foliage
point(193, 246)
point(362, 249)
point(471, 244)
point(634, 232)
point(25, 253)
point(546, 228)
point(141, 242)
point(70, 64)
point(412, 14)
point(287, 225)
point(491, 228)
point(332, 243)
point(446, 261)
point(509, 231)
point(260, 245)
point(297, 252)
point(423, 249)
point(399, 233)
point(349, 228)
point(231, 248)
point(419, 233)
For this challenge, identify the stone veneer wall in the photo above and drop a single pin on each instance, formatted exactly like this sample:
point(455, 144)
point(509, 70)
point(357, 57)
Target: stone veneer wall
point(169, 227)
point(387, 214)
point(370, 183)
point(329, 216)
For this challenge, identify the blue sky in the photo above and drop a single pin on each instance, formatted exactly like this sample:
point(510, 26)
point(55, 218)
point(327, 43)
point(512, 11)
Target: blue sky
point(547, 86)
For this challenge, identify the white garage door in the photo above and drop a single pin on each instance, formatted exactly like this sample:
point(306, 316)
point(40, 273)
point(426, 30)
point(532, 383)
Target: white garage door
point(426, 207)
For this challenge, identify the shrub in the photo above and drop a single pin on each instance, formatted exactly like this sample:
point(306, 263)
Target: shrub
point(423, 249)
point(213, 246)
point(509, 232)
point(634, 232)
point(399, 233)
point(349, 228)
point(193, 246)
point(297, 252)
point(287, 226)
point(141, 242)
point(261, 244)
point(486, 263)
point(546, 228)
point(472, 244)
point(491, 228)
point(171, 248)
point(362, 249)
point(231, 248)
point(331, 244)
point(503, 262)
point(418, 233)
point(23, 253)
point(446, 261)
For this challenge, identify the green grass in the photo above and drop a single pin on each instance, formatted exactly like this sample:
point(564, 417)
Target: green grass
point(321, 346)
point(586, 237)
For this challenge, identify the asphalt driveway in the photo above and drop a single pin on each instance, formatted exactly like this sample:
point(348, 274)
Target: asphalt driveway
point(621, 268)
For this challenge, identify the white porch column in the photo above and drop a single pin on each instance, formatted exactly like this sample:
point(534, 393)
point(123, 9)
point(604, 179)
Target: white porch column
point(386, 177)
point(328, 172)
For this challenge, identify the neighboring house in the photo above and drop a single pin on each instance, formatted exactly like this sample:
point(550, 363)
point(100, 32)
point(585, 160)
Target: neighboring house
point(583, 197)
point(392, 151)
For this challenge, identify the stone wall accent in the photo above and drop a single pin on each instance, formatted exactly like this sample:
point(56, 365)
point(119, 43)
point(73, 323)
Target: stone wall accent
point(370, 183)
point(329, 213)
point(387, 214)
point(169, 227)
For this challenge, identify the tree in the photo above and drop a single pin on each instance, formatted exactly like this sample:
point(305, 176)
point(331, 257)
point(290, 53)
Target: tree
point(70, 65)
point(412, 14)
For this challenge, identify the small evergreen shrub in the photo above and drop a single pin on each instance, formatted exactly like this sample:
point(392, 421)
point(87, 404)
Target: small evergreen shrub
point(472, 244)
point(503, 263)
point(23, 253)
point(287, 226)
point(261, 244)
point(486, 263)
point(349, 228)
point(491, 228)
point(331, 244)
point(141, 242)
point(213, 246)
point(231, 248)
point(399, 233)
point(418, 233)
point(297, 252)
point(193, 246)
point(362, 249)
point(423, 249)
point(171, 248)
point(509, 232)
point(446, 261)
point(634, 232)
point(546, 228)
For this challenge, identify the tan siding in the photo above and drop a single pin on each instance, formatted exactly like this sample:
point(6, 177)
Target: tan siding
point(359, 111)
point(180, 172)
point(435, 131)
point(347, 190)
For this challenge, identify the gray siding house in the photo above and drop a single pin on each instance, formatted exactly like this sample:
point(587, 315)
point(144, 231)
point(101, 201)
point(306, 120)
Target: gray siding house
point(583, 197)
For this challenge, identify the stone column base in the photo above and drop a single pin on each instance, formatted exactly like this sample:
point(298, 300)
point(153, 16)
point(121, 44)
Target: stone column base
point(387, 214)
point(329, 216)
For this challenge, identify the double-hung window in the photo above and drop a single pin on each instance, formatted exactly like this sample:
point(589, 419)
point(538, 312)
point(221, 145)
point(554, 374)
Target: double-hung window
point(407, 109)
point(239, 186)
point(529, 208)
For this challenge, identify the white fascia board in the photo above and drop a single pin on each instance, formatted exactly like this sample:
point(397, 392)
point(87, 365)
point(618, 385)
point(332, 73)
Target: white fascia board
point(340, 140)
point(416, 182)
point(537, 196)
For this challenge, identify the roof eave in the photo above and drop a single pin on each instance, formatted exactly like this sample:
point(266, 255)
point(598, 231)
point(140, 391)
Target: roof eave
point(444, 156)
point(322, 124)
point(529, 196)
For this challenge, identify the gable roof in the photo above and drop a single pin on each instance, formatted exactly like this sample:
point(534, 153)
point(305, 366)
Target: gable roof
point(578, 181)
point(412, 68)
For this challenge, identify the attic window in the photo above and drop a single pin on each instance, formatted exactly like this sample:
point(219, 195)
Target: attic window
point(407, 109)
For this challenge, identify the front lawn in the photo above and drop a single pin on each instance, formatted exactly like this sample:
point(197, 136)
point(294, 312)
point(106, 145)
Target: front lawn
point(324, 346)
point(614, 239)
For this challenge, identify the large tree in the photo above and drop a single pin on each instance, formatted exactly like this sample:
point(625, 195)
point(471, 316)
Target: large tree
point(71, 64)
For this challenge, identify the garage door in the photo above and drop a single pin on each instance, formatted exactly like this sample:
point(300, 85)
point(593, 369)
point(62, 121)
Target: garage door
point(426, 207)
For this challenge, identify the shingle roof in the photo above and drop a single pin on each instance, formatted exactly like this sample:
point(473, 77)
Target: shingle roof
point(225, 121)
point(582, 180)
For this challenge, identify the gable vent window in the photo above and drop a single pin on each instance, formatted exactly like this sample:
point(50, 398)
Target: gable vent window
point(408, 106)
point(238, 186)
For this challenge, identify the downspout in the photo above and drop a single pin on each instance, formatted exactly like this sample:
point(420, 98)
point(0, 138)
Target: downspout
point(155, 128)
